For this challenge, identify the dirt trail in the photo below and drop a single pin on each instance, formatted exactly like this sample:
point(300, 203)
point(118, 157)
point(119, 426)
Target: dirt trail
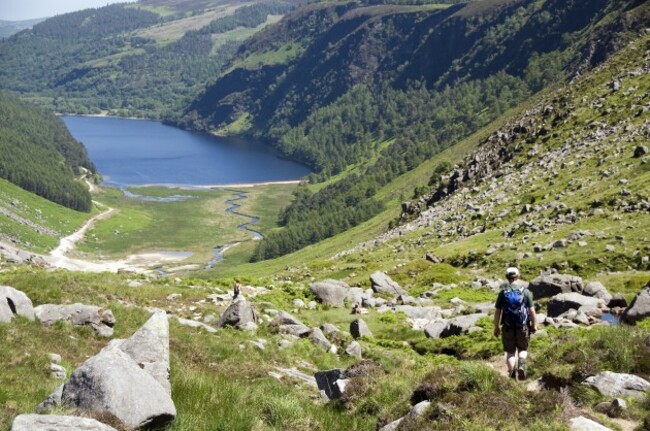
point(139, 263)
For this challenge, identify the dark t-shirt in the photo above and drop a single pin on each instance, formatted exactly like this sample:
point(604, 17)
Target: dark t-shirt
point(528, 297)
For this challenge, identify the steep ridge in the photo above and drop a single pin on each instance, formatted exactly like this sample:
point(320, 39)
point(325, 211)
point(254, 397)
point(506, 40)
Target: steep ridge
point(563, 185)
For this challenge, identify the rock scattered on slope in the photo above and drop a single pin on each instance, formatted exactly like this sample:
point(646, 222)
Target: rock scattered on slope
point(619, 385)
point(550, 285)
point(581, 423)
point(639, 308)
point(359, 328)
point(330, 292)
point(566, 301)
point(238, 314)
point(102, 321)
point(382, 283)
point(14, 303)
point(32, 422)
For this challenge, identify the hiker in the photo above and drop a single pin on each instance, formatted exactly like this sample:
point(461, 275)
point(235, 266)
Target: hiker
point(236, 289)
point(356, 309)
point(515, 319)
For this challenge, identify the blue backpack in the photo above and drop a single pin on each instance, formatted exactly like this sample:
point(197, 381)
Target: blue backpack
point(515, 313)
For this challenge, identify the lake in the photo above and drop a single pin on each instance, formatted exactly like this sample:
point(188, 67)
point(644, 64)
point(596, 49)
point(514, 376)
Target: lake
point(137, 152)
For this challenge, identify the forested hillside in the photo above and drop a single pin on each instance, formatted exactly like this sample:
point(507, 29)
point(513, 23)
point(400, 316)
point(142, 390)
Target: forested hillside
point(384, 87)
point(141, 59)
point(38, 154)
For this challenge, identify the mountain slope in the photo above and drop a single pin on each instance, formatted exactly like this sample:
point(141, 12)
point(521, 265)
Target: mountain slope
point(562, 185)
point(38, 154)
point(138, 59)
point(387, 87)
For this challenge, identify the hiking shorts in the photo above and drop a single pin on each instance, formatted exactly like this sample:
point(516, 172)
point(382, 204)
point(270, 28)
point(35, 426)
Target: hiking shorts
point(514, 339)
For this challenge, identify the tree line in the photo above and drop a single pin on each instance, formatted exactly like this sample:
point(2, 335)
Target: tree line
point(38, 154)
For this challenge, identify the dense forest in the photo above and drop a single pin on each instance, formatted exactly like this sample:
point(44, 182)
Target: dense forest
point(103, 60)
point(385, 87)
point(38, 154)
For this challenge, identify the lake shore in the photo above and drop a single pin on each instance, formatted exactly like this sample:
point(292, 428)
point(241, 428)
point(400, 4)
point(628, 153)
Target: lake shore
point(216, 186)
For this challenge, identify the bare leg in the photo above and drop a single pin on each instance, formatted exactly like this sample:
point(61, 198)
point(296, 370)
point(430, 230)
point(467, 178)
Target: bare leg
point(511, 360)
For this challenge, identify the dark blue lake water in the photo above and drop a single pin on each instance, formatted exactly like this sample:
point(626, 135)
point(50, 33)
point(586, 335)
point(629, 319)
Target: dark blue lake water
point(134, 152)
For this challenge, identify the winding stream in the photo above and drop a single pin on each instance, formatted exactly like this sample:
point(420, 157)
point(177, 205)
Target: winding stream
point(219, 251)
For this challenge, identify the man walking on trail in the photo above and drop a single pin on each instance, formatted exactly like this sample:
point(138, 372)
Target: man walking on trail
point(514, 319)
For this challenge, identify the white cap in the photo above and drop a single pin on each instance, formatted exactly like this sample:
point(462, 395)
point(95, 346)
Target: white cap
point(512, 272)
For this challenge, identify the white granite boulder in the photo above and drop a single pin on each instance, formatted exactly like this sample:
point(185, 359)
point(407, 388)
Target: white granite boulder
point(113, 382)
point(619, 385)
point(149, 348)
point(382, 283)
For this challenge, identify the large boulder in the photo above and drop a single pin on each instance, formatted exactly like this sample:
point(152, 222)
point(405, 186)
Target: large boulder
point(550, 285)
point(597, 290)
point(359, 328)
point(639, 309)
point(382, 283)
point(112, 382)
point(567, 301)
point(31, 422)
point(330, 292)
point(238, 314)
point(149, 348)
point(284, 318)
point(619, 385)
point(101, 320)
point(14, 303)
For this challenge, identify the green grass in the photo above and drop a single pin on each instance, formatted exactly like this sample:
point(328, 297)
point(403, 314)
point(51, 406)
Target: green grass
point(40, 211)
point(195, 225)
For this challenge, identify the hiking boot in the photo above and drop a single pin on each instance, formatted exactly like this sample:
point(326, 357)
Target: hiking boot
point(513, 374)
point(521, 372)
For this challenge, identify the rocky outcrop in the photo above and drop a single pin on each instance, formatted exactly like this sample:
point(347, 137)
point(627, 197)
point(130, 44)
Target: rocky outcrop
point(59, 423)
point(619, 385)
point(14, 303)
point(238, 314)
point(102, 321)
point(547, 286)
point(382, 283)
point(639, 308)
